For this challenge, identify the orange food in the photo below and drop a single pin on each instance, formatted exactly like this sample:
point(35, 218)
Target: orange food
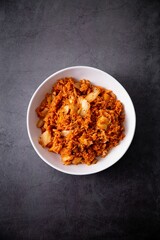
point(80, 121)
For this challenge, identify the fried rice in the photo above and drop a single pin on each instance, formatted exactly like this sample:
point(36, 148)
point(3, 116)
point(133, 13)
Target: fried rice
point(80, 121)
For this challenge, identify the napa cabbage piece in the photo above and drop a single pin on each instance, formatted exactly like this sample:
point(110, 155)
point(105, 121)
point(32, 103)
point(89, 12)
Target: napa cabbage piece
point(85, 106)
point(64, 133)
point(103, 122)
point(77, 85)
point(40, 123)
point(93, 95)
point(45, 138)
point(66, 109)
point(44, 112)
point(85, 141)
point(66, 155)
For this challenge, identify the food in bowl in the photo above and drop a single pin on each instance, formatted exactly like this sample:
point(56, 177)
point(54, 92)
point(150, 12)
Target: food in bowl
point(80, 121)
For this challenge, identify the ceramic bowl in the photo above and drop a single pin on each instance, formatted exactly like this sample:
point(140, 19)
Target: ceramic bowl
point(96, 77)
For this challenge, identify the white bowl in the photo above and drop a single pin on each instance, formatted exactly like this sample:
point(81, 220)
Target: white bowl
point(97, 77)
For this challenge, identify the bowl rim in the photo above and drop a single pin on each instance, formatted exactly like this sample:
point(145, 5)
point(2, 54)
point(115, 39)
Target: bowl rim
point(29, 108)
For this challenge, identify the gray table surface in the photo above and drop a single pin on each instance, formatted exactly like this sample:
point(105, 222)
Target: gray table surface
point(38, 38)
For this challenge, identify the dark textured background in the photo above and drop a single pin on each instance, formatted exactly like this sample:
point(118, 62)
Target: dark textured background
point(38, 38)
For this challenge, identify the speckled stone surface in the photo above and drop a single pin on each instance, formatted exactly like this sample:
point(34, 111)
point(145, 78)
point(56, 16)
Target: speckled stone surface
point(38, 38)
